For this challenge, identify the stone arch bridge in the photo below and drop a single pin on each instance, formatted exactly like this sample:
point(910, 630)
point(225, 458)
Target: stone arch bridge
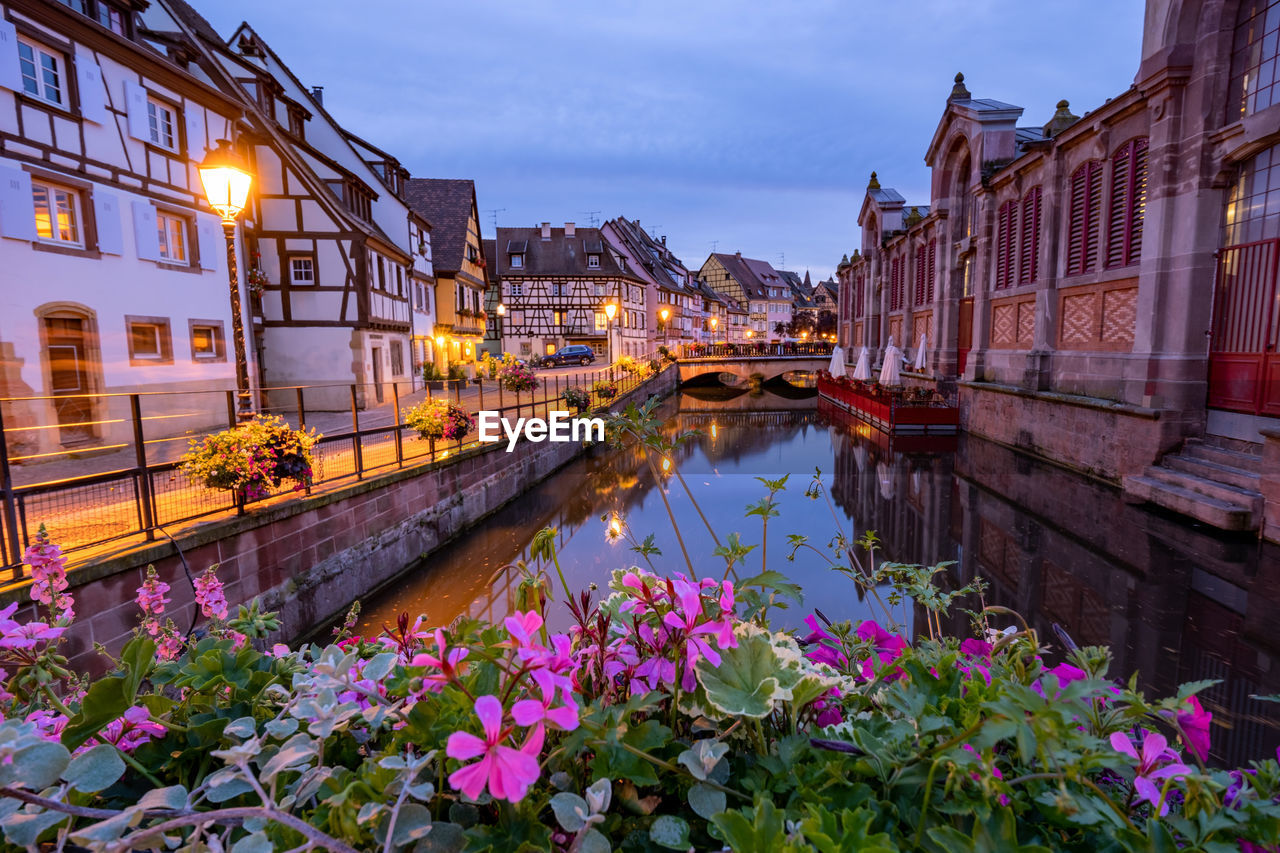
point(743, 367)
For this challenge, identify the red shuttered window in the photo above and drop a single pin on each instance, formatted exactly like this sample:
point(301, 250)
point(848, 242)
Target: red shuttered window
point(929, 273)
point(1128, 204)
point(1082, 224)
point(895, 284)
point(920, 270)
point(859, 297)
point(1029, 250)
point(1006, 238)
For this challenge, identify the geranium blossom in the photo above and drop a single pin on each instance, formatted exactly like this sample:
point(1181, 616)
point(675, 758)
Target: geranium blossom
point(529, 712)
point(822, 647)
point(49, 576)
point(506, 771)
point(887, 647)
point(447, 663)
point(1156, 764)
point(1194, 721)
point(132, 730)
point(685, 618)
point(210, 596)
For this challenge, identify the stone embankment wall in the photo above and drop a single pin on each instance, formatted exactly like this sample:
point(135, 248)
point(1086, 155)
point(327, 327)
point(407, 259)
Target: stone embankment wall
point(309, 557)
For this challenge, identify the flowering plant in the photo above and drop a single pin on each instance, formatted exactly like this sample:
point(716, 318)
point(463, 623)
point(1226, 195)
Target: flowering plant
point(576, 397)
point(253, 457)
point(639, 369)
point(436, 418)
point(605, 389)
point(516, 376)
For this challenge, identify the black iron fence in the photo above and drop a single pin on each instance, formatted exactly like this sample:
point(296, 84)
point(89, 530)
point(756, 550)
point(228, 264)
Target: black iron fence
point(113, 473)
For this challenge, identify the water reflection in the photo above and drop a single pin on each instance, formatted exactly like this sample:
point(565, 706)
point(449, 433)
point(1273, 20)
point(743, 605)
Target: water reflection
point(1173, 601)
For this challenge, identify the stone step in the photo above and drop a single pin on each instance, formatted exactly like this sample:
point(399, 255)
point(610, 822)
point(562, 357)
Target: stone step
point(1232, 458)
point(1249, 498)
point(1224, 515)
point(1239, 477)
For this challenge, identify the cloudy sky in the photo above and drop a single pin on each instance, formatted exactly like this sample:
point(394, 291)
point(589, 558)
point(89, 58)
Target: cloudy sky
point(750, 126)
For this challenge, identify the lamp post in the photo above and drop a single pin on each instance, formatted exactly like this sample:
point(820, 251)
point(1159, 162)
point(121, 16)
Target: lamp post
point(610, 308)
point(502, 313)
point(226, 183)
point(664, 314)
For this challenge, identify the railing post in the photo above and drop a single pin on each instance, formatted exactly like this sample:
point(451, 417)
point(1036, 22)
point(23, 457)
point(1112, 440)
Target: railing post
point(6, 490)
point(231, 409)
point(302, 420)
point(480, 388)
point(144, 475)
point(395, 401)
point(355, 435)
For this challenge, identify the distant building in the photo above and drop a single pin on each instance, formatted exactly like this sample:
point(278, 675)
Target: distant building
point(671, 287)
point(756, 285)
point(554, 284)
point(461, 268)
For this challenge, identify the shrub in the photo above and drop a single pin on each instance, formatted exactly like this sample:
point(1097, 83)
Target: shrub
point(252, 458)
point(436, 418)
point(431, 373)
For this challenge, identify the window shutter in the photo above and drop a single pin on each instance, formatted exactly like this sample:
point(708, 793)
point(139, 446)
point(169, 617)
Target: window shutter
point(106, 216)
point(193, 118)
point(895, 284)
point(920, 271)
point(135, 99)
point(933, 253)
point(1092, 227)
point(1139, 211)
point(1004, 244)
point(10, 76)
point(1029, 264)
point(211, 241)
point(93, 105)
point(1086, 205)
point(1118, 215)
point(1075, 233)
point(17, 209)
point(145, 236)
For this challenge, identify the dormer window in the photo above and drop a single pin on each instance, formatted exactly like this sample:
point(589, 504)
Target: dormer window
point(517, 262)
point(593, 262)
point(297, 124)
point(473, 254)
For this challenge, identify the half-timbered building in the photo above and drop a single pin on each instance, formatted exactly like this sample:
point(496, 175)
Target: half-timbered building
point(755, 285)
point(460, 265)
point(115, 270)
point(671, 287)
point(554, 286)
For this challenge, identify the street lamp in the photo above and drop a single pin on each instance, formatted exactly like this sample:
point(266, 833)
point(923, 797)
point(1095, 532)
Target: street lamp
point(502, 313)
point(610, 308)
point(226, 183)
point(664, 314)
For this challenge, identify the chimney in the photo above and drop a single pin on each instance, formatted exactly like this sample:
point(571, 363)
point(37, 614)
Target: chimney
point(546, 231)
point(570, 229)
point(664, 239)
point(317, 92)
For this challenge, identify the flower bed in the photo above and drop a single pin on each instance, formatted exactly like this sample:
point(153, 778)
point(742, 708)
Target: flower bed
point(435, 418)
point(252, 458)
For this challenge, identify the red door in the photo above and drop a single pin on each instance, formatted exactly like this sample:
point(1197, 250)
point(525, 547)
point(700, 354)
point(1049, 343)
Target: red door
point(1244, 368)
point(964, 340)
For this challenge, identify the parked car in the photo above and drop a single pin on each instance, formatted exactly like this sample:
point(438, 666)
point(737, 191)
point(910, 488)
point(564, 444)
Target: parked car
point(573, 354)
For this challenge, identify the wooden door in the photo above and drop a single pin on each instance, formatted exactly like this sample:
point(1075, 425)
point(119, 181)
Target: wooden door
point(65, 352)
point(377, 374)
point(1244, 368)
point(964, 340)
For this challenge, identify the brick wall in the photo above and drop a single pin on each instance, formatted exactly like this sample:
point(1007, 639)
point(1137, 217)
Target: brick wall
point(310, 557)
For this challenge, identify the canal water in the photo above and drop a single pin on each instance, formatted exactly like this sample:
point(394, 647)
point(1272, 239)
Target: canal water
point(1175, 601)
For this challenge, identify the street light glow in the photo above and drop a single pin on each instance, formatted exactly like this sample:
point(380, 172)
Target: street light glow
point(226, 181)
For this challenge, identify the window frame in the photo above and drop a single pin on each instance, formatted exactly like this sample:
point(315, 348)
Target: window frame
point(79, 224)
point(1029, 237)
point(1006, 242)
point(164, 340)
point(1127, 203)
point(155, 134)
point(517, 261)
point(1084, 258)
point(61, 71)
point(219, 337)
point(593, 262)
point(292, 258)
point(163, 243)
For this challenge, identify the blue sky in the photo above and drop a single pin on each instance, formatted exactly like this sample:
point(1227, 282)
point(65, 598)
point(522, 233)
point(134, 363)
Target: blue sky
point(751, 124)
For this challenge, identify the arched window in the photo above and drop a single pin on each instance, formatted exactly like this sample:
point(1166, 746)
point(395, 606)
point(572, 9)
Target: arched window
point(1029, 262)
point(1254, 54)
point(1128, 204)
point(1082, 225)
point(963, 203)
point(926, 255)
point(895, 283)
point(859, 296)
point(1253, 210)
point(1006, 231)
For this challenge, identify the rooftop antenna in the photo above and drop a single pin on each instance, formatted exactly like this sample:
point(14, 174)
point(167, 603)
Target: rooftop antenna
point(782, 260)
point(493, 216)
point(592, 217)
point(715, 244)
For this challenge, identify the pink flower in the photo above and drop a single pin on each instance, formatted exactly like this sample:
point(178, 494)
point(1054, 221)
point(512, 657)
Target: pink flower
point(684, 617)
point(1194, 722)
point(975, 655)
point(522, 627)
point(29, 635)
point(151, 595)
point(210, 596)
point(132, 730)
point(49, 724)
point(446, 660)
point(49, 576)
point(1149, 772)
point(528, 712)
point(508, 772)
point(887, 647)
point(823, 647)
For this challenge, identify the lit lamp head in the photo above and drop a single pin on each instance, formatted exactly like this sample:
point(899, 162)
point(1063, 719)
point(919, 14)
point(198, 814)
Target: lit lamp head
point(665, 313)
point(715, 321)
point(502, 309)
point(749, 333)
point(440, 341)
point(610, 308)
point(226, 179)
point(804, 335)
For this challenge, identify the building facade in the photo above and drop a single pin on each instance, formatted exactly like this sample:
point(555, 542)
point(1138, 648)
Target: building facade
point(115, 269)
point(756, 286)
point(1117, 266)
point(554, 284)
point(674, 304)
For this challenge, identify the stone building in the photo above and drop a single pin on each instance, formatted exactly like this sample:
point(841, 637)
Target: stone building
point(1110, 277)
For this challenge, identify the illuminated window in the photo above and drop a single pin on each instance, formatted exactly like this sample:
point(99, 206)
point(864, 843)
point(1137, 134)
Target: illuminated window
point(172, 233)
point(207, 342)
point(1255, 59)
point(149, 340)
point(57, 214)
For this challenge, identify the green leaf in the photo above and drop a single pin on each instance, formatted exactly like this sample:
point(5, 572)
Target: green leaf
point(570, 810)
point(36, 765)
point(379, 666)
point(412, 823)
point(106, 700)
point(593, 842)
point(245, 727)
point(745, 684)
point(98, 834)
point(443, 838)
point(138, 657)
point(95, 769)
point(23, 828)
point(255, 843)
point(173, 797)
point(706, 801)
point(670, 832)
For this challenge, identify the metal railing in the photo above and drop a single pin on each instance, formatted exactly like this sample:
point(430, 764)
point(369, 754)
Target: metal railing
point(695, 352)
point(115, 475)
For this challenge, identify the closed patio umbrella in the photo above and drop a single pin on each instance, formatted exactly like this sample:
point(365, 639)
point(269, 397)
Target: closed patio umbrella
point(891, 370)
point(836, 368)
point(922, 353)
point(862, 370)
